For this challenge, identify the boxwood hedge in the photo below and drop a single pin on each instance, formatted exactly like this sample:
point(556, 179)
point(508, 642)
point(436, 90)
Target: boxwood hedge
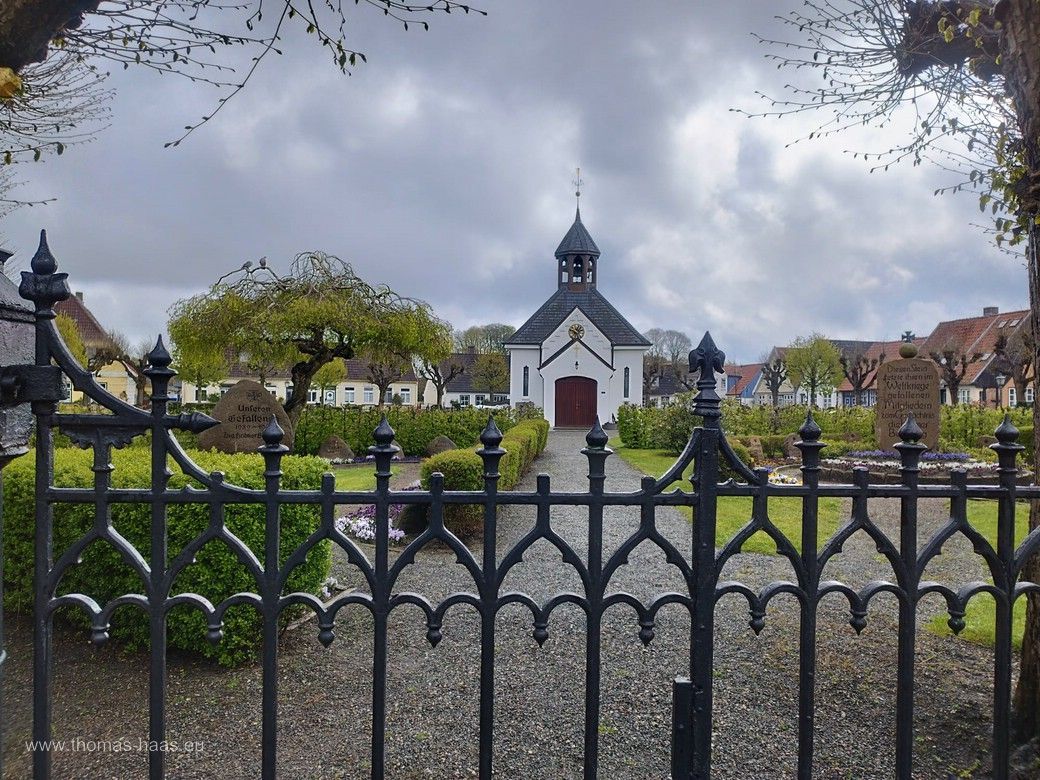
point(216, 572)
point(464, 470)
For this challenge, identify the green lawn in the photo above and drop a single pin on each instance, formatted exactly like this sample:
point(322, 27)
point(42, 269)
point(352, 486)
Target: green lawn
point(980, 615)
point(353, 478)
point(735, 512)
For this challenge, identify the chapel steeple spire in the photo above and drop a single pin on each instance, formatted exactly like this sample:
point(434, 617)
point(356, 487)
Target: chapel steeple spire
point(577, 253)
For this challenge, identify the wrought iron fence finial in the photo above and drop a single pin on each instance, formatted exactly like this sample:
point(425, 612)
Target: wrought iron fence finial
point(910, 432)
point(597, 438)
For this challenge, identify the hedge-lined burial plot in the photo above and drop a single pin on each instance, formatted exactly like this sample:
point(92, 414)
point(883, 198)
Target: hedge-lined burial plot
point(216, 572)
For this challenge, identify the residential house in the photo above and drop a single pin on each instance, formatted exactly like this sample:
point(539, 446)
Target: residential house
point(976, 337)
point(460, 391)
point(356, 390)
point(742, 381)
point(117, 377)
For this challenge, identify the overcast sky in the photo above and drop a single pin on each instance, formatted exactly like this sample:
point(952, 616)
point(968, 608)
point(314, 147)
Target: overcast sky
point(443, 167)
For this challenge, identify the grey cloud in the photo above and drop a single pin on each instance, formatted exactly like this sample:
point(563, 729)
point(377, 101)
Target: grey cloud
point(443, 168)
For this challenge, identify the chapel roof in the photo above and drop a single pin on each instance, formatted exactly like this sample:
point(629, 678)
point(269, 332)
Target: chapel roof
point(543, 322)
point(578, 241)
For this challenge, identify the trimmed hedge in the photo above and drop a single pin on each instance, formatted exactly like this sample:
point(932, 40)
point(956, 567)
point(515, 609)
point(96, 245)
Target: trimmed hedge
point(414, 428)
point(464, 470)
point(216, 573)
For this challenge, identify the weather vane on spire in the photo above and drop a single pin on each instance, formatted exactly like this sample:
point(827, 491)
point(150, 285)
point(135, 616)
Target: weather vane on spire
point(578, 182)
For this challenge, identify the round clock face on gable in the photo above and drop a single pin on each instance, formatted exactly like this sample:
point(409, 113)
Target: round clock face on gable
point(576, 331)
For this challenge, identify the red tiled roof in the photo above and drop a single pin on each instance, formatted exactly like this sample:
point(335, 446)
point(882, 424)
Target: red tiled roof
point(974, 336)
point(746, 373)
point(94, 336)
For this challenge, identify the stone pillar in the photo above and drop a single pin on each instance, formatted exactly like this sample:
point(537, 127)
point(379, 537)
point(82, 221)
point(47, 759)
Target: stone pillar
point(17, 347)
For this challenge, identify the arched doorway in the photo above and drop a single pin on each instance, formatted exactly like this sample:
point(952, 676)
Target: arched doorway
point(575, 402)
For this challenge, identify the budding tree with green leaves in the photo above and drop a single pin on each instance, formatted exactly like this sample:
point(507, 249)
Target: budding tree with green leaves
point(305, 319)
point(813, 364)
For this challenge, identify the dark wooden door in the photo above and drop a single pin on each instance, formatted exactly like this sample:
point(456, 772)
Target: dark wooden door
point(575, 402)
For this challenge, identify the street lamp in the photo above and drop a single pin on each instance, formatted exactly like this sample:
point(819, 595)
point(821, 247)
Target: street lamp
point(1001, 379)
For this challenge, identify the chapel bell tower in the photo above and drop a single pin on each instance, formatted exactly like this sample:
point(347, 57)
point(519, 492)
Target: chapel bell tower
point(577, 254)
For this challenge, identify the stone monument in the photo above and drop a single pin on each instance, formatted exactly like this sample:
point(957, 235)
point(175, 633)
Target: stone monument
point(910, 384)
point(243, 413)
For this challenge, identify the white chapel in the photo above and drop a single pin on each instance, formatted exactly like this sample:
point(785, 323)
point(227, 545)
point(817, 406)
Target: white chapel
point(577, 356)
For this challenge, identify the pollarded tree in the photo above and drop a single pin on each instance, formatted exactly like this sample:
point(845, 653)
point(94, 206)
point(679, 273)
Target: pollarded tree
point(814, 363)
point(774, 374)
point(439, 373)
point(953, 367)
point(1015, 358)
point(317, 312)
point(861, 371)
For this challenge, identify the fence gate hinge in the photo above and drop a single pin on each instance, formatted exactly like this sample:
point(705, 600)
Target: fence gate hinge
point(23, 383)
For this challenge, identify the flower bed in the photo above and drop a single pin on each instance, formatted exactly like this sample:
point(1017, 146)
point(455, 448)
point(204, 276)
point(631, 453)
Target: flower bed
point(935, 467)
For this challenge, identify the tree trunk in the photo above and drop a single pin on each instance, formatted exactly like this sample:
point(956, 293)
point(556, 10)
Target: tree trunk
point(302, 376)
point(1020, 62)
point(28, 26)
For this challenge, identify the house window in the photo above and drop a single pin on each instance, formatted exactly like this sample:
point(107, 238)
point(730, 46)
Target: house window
point(312, 396)
point(499, 398)
point(369, 395)
point(1029, 395)
point(479, 399)
point(200, 394)
point(527, 380)
point(330, 397)
point(406, 395)
point(464, 399)
point(628, 376)
point(1013, 396)
point(66, 389)
point(964, 395)
point(349, 396)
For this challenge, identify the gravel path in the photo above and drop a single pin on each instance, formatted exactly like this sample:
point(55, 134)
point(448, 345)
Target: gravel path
point(433, 692)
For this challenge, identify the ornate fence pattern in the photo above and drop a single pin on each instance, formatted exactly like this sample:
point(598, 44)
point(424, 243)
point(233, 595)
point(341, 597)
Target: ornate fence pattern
point(707, 450)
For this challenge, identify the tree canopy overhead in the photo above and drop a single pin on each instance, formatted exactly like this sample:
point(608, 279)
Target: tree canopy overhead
point(196, 39)
point(317, 312)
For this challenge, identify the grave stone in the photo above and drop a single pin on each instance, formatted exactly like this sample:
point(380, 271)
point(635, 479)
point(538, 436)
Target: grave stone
point(243, 413)
point(910, 384)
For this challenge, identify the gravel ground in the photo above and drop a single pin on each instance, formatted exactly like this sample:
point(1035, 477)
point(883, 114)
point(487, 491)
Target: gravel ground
point(433, 692)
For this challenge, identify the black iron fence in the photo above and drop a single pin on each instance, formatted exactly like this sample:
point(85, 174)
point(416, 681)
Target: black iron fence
point(707, 451)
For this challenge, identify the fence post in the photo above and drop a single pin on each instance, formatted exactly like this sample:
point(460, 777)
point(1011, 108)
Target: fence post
point(1007, 449)
point(705, 360)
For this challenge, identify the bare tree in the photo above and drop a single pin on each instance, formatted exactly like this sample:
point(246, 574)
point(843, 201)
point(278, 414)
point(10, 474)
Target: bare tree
point(439, 373)
point(1015, 358)
point(774, 374)
point(861, 372)
point(953, 367)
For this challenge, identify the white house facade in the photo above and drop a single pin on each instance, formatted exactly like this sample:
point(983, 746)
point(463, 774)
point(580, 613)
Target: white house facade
point(577, 357)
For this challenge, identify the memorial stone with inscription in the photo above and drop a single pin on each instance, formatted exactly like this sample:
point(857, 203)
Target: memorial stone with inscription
point(904, 386)
point(243, 413)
